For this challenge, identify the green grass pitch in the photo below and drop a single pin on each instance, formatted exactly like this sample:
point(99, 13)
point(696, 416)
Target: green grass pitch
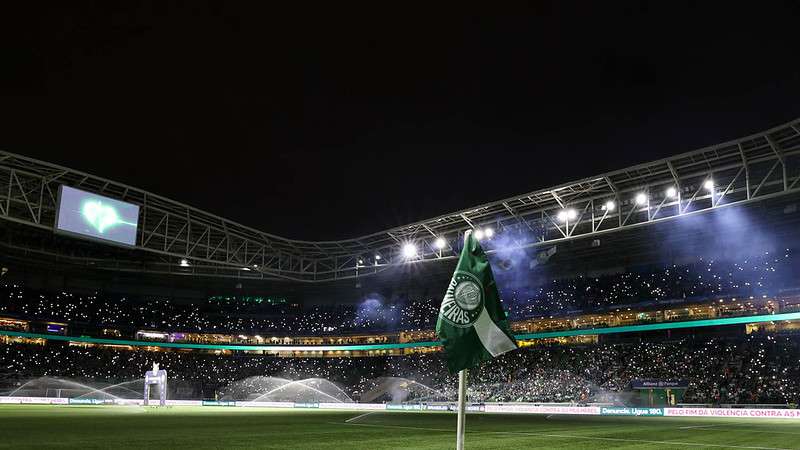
point(89, 427)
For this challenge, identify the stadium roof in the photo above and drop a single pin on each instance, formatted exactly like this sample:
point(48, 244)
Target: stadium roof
point(753, 168)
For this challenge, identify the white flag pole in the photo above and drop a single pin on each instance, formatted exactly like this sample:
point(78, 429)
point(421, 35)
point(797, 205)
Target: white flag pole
point(462, 407)
point(462, 394)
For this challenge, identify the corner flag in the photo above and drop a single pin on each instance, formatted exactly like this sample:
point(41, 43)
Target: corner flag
point(472, 324)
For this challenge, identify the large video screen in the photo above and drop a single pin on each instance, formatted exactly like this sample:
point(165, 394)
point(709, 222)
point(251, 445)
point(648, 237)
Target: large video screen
point(95, 216)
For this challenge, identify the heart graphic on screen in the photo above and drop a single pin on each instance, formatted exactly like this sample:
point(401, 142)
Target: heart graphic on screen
point(99, 216)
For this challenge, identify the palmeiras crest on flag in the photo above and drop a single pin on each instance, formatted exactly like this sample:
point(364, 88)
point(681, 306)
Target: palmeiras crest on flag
point(463, 301)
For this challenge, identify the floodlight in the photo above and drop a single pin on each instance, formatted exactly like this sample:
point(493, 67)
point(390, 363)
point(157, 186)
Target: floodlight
point(671, 192)
point(478, 234)
point(562, 215)
point(377, 257)
point(360, 262)
point(489, 232)
point(409, 250)
point(439, 243)
point(572, 214)
point(709, 184)
point(641, 199)
point(184, 262)
point(610, 205)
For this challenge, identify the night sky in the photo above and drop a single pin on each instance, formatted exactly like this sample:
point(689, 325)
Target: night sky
point(328, 121)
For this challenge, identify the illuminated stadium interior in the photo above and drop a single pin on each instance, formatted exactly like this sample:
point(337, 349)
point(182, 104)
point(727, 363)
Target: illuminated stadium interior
point(690, 253)
point(383, 226)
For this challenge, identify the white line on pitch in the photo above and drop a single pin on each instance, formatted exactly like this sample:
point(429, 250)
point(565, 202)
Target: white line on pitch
point(448, 430)
point(571, 436)
point(358, 417)
point(697, 426)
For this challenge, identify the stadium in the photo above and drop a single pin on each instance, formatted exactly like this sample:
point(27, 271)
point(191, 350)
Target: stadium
point(339, 225)
point(667, 289)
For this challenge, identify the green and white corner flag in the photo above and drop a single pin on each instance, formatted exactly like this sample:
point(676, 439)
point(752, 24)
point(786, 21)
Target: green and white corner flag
point(472, 324)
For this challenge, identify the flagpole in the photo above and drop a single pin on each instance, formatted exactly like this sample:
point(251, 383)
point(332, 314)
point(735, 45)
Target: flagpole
point(462, 407)
point(462, 393)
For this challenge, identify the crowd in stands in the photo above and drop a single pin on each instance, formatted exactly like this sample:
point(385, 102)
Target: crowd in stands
point(756, 369)
point(764, 274)
point(748, 369)
point(752, 369)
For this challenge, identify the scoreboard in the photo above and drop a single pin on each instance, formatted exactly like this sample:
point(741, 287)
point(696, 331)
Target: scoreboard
point(88, 215)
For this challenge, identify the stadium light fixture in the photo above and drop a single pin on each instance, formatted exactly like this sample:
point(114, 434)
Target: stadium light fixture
point(610, 205)
point(409, 250)
point(479, 234)
point(672, 192)
point(640, 199)
point(439, 243)
point(377, 257)
point(184, 262)
point(360, 262)
point(488, 232)
point(709, 184)
point(567, 214)
point(247, 269)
